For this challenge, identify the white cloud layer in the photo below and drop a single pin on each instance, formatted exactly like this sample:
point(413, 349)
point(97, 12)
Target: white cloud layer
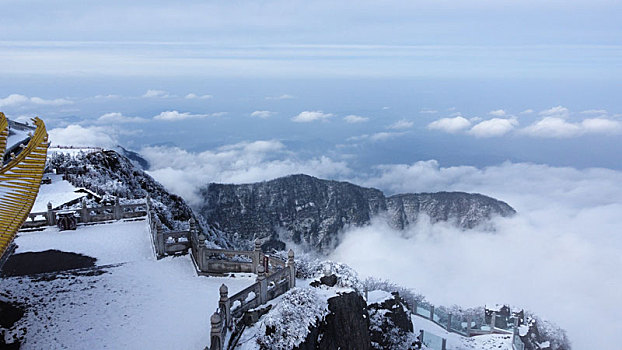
point(401, 125)
point(176, 115)
point(262, 114)
point(498, 113)
point(559, 257)
point(193, 96)
point(353, 119)
point(156, 94)
point(76, 135)
point(310, 116)
point(184, 172)
point(379, 136)
point(450, 125)
point(20, 100)
point(555, 127)
point(493, 127)
point(558, 112)
point(116, 117)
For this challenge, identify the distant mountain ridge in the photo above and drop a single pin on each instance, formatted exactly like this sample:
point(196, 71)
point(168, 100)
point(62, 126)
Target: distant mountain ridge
point(313, 212)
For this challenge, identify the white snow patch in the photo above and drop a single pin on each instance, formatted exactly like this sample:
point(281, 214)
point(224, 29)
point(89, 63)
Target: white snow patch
point(57, 193)
point(378, 296)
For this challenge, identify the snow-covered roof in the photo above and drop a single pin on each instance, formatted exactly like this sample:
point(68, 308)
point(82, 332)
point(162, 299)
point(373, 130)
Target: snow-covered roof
point(58, 193)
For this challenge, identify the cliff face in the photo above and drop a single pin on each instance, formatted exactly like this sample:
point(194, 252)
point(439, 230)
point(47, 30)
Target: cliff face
point(312, 211)
point(305, 209)
point(465, 210)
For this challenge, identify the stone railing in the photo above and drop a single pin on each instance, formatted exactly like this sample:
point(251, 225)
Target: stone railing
point(266, 287)
point(87, 214)
point(168, 242)
point(463, 325)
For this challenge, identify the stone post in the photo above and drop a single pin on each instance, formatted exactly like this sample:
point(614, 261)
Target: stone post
point(449, 322)
point(257, 256)
point(85, 216)
point(414, 306)
point(192, 225)
point(216, 338)
point(515, 330)
point(160, 241)
point(493, 321)
point(51, 216)
point(366, 294)
point(225, 305)
point(291, 265)
point(432, 313)
point(263, 284)
point(200, 255)
point(469, 320)
point(444, 344)
point(118, 211)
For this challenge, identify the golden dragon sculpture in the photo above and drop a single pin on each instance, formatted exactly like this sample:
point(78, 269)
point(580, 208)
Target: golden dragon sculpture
point(20, 178)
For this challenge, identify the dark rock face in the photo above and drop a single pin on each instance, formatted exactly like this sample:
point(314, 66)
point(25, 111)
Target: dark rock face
point(313, 211)
point(345, 327)
point(308, 209)
point(136, 158)
point(466, 210)
point(390, 324)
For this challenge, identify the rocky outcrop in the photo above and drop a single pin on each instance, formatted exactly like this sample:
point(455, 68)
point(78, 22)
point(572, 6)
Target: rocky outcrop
point(465, 210)
point(390, 324)
point(306, 209)
point(345, 327)
point(312, 212)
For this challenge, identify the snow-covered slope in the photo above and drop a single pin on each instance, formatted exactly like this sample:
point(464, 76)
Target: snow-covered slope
point(129, 300)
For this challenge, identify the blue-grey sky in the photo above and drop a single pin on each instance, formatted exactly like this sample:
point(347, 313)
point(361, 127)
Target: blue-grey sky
point(463, 82)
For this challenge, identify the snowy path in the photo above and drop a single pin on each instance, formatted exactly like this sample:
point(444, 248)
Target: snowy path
point(141, 304)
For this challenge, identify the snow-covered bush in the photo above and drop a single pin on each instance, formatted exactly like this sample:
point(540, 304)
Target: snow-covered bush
point(288, 323)
point(308, 268)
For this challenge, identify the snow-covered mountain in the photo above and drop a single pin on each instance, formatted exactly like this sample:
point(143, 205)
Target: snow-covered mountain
point(311, 211)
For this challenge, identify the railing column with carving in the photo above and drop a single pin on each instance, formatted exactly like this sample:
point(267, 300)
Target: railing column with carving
point(118, 211)
point(160, 240)
point(431, 312)
point(263, 284)
point(469, 320)
point(51, 218)
point(515, 330)
point(257, 255)
point(85, 216)
point(216, 333)
point(225, 305)
point(449, 322)
point(493, 321)
point(291, 265)
point(201, 253)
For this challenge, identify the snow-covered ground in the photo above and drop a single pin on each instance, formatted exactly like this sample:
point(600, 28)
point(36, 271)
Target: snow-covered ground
point(57, 193)
point(140, 303)
point(458, 342)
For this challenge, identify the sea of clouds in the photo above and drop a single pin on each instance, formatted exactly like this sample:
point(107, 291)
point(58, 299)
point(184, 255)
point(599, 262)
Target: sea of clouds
point(558, 257)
